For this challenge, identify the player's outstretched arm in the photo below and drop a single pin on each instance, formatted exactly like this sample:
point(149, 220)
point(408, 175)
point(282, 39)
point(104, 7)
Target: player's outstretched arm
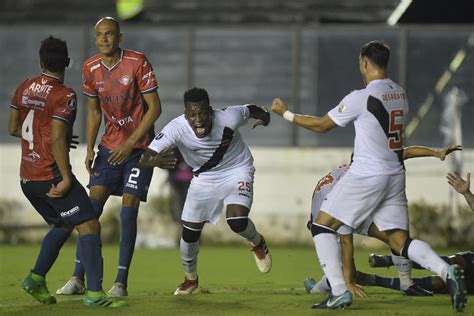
point(422, 151)
point(260, 114)
point(14, 128)
point(60, 146)
point(314, 123)
point(462, 186)
point(165, 159)
point(348, 265)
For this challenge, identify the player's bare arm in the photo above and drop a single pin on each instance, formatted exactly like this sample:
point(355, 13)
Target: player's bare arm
point(422, 151)
point(165, 159)
point(14, 128)
point(94, 118)
point(462, 186)
point(260, 114)
point(60, 146)
point(314, 123)
point(120, 153)
point(348, 265)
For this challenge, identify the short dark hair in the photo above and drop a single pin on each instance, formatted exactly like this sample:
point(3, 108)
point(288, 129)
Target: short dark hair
point(378, 52)
point(53, 54)
point(196, 95)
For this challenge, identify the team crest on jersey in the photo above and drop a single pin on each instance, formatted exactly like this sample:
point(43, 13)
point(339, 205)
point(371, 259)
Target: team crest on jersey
point(341, 108)
point(71, 104)
point(125, 80)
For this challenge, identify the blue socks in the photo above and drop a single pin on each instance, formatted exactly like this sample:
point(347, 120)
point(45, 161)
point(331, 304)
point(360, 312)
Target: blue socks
point(394, 283)
point(92, 260)
point(49, 251)
point(78, 266)
point(128, 235)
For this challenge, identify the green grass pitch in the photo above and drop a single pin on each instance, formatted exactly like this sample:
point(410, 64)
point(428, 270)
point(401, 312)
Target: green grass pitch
point(229, 285)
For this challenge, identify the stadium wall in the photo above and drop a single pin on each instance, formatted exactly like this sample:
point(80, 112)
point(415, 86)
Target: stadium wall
point(284, 182)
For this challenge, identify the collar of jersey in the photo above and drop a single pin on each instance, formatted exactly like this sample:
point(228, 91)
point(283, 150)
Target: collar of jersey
point(50, 76)
point(376, 81)
point(118, 62)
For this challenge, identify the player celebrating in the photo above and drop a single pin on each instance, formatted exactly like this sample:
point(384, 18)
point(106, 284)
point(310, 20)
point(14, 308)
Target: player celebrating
point(368, 228)
point(374, 185)
point(433, 283)
point(462, 186)
point(119, 84)
point(42, 114)
point(223, 173)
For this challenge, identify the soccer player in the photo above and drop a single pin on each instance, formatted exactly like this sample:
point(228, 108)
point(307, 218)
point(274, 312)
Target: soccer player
point(433, 283)
point(121, 86)
point(42, 114)
point(223, 170)
point(368, 228)
point(462, 186)
point(374, 185)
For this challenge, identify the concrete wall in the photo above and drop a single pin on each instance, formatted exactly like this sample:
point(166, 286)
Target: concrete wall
point(284, 182)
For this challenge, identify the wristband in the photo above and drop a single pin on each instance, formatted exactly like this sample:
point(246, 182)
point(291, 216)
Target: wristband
point(289, 116)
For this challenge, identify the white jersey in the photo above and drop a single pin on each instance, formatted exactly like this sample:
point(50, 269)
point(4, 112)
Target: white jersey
point(324, 186)
point(379, 113)
point(212, 155)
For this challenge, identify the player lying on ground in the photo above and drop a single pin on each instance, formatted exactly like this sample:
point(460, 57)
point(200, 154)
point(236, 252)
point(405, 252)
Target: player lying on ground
point(223, 174)
point(368, 228)
point(462, 186)
point(433, 283)
point(42, 114)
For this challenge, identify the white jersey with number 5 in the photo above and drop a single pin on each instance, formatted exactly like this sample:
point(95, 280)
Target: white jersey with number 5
point(217, 153)
point(379, 113)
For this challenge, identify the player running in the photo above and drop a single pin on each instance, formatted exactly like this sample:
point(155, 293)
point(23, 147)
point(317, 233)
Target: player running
point(42, 114)
point(119, 85)
point(223, 171)
point(374, 185)
point(433, 283)
point(368, 228)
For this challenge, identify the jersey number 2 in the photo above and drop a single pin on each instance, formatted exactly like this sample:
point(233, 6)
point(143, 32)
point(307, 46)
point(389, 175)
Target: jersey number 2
point(395, 140)
point(27, 129)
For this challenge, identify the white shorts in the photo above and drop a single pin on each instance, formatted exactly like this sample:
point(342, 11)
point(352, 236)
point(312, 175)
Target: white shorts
point(355, 198)
point(207, 196)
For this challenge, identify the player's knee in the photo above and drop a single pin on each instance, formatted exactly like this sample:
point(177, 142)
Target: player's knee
point(97, 207)
point(91, 226)
point(191, 235)
point(317, 229)
point(238, 224)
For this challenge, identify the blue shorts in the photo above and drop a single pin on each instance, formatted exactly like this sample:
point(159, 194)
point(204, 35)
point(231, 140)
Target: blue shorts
point(71, 210)
point(128, 177)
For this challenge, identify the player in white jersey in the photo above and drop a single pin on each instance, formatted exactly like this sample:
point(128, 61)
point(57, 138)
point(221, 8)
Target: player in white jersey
point(211, 144)
point(374, 185)
point(368, 228)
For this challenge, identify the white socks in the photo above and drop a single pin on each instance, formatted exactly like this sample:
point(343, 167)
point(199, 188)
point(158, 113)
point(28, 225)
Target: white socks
point(250, 234)
point(189, 253)
point(403, 266)
point(329, 254)
point(420, 252)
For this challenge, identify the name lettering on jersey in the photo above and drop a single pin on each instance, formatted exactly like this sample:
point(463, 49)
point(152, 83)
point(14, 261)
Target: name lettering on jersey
point(122, 121)
point(94, 67)
point(70, 212)
point(114, 98)
point(39, 90)
point(393, 96)
point(32, 103)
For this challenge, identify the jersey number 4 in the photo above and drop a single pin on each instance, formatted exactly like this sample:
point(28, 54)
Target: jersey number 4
point(395, 138)
point(27, 129)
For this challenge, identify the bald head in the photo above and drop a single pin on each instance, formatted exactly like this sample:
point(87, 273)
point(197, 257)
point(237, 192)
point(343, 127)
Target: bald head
point(108, 20)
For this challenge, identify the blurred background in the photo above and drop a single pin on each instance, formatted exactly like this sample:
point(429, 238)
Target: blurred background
point(250, 51)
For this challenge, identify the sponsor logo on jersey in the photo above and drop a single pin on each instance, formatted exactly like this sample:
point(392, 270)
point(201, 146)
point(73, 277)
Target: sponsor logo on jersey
point(34, 155)
point(32, 103)
point(70, 95)
point(125, 80)
point(122, 121)
point(131, 185)
point(71, 104)
point(145, 63)
point(44, 81)
point(70, 212)
point(159, 136)
point(115, 98)
point(341, 108)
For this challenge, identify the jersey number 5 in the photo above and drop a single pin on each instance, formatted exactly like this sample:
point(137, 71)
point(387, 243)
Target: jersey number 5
point(395, 139)
point(27, 129)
